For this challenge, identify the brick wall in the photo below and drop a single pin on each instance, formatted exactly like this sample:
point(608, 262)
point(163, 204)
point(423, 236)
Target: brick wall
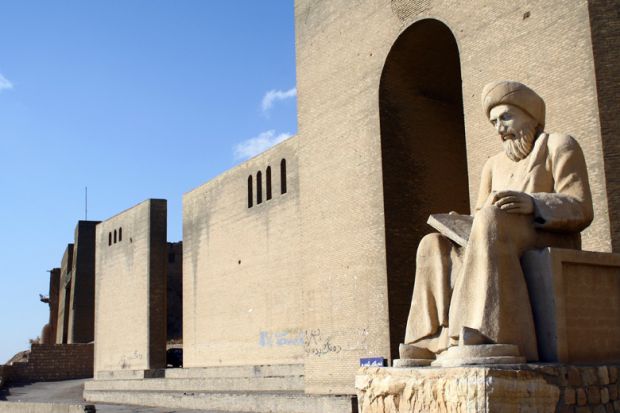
point(242, 298)
point(342, 53)
point(5, 373)
point(81, 318)
point(130, 305)
point(50, 362)
point(64, 296)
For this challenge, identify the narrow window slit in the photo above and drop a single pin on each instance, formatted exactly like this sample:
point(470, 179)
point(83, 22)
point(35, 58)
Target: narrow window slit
point(259, 187)
point(283, 176)
point(268, 183)
point(250, 194)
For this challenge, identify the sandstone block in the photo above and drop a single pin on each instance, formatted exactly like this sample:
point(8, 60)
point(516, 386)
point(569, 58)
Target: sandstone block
point(594, 395)
point(589, 376)
point(579, 324)
point(463, 389)
point(130, 274)
point(574, 377)
point(570, 396)
point(613, 374)
point(613, 392)
point(603, 375)
point(582, 399)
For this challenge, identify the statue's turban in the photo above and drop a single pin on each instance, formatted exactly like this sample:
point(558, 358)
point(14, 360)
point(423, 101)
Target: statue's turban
point(508, 92)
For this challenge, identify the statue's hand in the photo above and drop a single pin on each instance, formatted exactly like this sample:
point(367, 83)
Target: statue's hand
point(514, 202)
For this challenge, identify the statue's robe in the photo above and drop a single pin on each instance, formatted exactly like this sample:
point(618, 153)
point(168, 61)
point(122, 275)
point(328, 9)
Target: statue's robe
point(482, 286)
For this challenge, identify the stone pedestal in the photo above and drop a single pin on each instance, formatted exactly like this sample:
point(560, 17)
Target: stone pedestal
point(505, 389)
point(575, 298)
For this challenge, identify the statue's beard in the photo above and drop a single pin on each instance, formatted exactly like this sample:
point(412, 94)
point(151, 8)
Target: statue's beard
point(520, 147)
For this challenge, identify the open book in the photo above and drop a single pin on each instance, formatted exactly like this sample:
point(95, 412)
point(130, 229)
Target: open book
point(454, 226)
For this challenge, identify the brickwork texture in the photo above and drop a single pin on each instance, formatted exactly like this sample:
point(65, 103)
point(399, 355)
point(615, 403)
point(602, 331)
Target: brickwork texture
point(54, 362)
point(343, 52)
point(242, 301)
point(81, 319)
point(64, 297)
point(390, 130)
point(130, 315)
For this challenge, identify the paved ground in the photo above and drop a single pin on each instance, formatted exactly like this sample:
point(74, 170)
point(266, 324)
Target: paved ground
point(70, 391)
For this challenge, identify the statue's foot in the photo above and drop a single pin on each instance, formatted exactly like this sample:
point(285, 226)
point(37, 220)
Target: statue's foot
point(413, 356)
point(479, 354)
point(410, 351)
point(473, 337)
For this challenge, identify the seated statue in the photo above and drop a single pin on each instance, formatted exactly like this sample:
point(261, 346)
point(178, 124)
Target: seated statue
point(533, 194)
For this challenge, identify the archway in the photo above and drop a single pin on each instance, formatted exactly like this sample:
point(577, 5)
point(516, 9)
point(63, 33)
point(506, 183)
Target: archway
point(423, 151)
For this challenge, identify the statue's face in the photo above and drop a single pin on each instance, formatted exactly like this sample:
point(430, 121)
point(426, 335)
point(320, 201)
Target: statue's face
point(509, 120)
point(516, 128)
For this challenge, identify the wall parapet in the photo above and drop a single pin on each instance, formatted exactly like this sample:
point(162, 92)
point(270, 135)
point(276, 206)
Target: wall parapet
point(51, 362)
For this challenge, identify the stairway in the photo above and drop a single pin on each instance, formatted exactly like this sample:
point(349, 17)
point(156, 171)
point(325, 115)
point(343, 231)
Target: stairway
point(266, 388)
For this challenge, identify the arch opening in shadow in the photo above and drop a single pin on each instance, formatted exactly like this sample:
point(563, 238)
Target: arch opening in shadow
point(423, 152)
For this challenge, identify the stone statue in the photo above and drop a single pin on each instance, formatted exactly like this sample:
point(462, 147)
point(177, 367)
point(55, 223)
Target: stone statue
point(534, 194)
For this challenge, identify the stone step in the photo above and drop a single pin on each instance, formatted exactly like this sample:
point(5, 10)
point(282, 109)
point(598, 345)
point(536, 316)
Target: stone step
point(257, 402)
point(270, 370)
point(259, 383)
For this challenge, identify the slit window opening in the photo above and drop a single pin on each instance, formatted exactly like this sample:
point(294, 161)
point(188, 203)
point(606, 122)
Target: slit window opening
point(259, 187)
point(268, 183)
point(250, 192)
point(283, 176)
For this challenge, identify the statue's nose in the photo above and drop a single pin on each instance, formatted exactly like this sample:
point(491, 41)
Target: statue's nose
point(499, 127)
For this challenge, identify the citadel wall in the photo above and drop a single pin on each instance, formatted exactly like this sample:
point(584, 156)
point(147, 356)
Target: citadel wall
point(64, 296)
point(305, 275)
point(80, 327)
point(340, 63)
point(130, 314)
point(242, 301)
point(54, 292)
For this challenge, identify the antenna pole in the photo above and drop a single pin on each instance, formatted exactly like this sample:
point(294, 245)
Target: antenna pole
point(86, 203)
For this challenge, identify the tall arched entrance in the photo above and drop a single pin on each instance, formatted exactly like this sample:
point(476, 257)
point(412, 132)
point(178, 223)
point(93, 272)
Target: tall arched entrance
point(423, 151)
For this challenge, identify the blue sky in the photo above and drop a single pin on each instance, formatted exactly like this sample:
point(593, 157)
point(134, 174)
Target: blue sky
point(134, 99)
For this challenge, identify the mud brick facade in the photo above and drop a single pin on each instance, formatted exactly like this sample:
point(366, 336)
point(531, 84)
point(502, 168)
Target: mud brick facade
point(305, 254)
point(82, 302)
point(49, 330)
point(54, 362)
point(64, 295)
point(76, 307)
point(359, 91)
point(131, 272)
point(242, 297)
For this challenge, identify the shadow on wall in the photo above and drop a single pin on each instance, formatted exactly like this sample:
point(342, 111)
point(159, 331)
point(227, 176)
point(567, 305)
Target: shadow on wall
point(423, 151)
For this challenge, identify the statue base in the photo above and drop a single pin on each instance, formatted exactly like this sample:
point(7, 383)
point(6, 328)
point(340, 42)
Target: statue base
point(404, 363)
point(488, 389)
point(479, 354)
